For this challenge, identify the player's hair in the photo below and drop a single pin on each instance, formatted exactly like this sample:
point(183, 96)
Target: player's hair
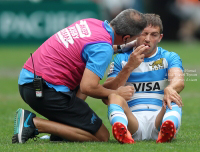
point(129, 22)
point(154, 20)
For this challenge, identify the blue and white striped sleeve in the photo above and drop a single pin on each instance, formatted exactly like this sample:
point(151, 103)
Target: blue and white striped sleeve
point(115, 66)
point(174, 60)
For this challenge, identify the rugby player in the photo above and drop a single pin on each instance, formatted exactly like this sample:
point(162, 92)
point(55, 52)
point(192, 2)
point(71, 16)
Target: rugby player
point(154, 111)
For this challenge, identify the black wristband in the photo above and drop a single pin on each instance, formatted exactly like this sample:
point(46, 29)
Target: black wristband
point(119, 47)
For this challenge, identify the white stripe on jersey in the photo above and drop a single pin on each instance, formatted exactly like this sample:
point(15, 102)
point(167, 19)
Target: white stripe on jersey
point(144, 106)
point(148, 66)
point(147, 95)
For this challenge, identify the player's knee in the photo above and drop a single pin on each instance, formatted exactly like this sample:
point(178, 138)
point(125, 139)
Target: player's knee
point(105, 137)
point(115, 99)
point(103, 134)
point(112, 96)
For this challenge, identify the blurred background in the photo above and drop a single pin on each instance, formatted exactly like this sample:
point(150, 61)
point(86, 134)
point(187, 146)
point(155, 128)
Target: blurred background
point(23, 21)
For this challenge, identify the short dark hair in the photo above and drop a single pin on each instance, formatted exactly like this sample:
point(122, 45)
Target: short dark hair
point(129, 22)
point(154, 20)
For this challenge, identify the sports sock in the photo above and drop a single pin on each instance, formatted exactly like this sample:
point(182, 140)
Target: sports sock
point(116, 114)
point(174, 115)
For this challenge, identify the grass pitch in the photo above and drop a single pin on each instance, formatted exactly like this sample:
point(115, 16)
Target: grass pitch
point(12, 59)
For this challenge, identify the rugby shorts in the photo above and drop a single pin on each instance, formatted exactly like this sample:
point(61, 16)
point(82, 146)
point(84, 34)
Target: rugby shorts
point(146, 129)
point(60, 107)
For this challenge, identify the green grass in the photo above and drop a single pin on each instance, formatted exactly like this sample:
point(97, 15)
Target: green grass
point(12, 59)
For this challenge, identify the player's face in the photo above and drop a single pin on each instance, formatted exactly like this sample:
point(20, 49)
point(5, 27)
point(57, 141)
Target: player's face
point(150, 36)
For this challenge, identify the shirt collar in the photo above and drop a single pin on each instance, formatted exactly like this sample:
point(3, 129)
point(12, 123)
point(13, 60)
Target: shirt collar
point(109, 29)
point(154, 53)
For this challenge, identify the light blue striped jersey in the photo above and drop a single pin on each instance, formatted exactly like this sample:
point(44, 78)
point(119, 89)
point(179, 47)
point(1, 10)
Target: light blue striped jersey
point(149, 78)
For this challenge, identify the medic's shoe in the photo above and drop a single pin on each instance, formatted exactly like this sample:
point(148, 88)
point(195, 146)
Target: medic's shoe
point(121, 134)
point(23, 126)
point(167, 132)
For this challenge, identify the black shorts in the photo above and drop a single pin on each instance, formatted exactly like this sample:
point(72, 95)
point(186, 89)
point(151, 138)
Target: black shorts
point(60, 107)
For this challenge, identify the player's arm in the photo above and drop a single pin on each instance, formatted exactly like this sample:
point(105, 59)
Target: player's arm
point(134, 61)
point(90, 86)
point(176, 85)
point(119, 80)
point(80, 95)
point(97, 57)
point(176, 79)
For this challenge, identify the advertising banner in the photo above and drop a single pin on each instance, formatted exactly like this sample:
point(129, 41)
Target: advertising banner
point(28, 22)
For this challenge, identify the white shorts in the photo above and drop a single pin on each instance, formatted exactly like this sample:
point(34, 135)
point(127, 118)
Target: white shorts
point(147, 129)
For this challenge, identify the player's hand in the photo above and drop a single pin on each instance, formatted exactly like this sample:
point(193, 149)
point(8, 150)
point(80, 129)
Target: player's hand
point(126, 92)
point(136, 57)
point(170, 95)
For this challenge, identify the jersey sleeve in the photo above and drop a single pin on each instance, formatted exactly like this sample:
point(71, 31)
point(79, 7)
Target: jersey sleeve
point(115, 66)
point(98, 57)
point(174, 60)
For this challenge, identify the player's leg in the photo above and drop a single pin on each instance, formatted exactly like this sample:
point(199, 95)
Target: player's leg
point(102, 134)
point(27, 126)
point(64, 131)
point(170, 123)
point(121, 119)
point(159, 118)
point(60, 108)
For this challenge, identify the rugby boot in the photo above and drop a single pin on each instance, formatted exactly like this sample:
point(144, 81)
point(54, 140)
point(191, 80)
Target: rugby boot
point(167, 132)
point(121, 134)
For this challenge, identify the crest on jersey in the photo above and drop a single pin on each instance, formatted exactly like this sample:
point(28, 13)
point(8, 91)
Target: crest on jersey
point(111, 68)
point(158, 64)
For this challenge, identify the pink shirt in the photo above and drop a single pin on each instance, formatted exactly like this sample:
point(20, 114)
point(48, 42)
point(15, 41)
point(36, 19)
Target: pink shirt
point(59, 59)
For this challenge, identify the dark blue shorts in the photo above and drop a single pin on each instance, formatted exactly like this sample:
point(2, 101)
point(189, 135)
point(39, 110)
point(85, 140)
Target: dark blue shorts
point(64, 108)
